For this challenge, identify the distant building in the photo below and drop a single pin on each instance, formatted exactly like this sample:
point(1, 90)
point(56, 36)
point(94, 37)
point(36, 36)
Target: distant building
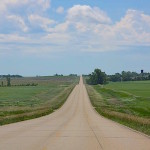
point(142, 71)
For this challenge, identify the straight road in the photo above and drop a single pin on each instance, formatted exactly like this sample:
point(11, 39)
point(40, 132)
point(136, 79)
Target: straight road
point(75, 126)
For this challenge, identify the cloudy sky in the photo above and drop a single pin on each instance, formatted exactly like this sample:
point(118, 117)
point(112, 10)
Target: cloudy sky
point(44, 37)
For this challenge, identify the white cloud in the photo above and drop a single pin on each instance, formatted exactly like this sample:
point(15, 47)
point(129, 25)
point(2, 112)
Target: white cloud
point(88, 14)
point(60, 10)
point(57, 38)
point(14, 21)
point(41, 22)
point(11, 38)
point(84, 28)
point(44, 3)
point(61, 28)
point(100, 34)
point(83, 18)
point(18, 21)
point(6, 4)
point(133, 29)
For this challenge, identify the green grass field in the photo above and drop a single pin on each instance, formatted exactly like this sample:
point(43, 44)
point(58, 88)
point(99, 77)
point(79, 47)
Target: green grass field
point(127, 103)
point(138, 88)
point(25, 102)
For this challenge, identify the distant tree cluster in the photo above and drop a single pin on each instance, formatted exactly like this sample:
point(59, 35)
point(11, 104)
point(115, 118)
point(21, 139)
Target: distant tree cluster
point(58, 75)
point(129, 76)
point(9, 84)
point(73, 75)
point(11, 76)
point(7, 79)
point(28, 84)
point(97, 77)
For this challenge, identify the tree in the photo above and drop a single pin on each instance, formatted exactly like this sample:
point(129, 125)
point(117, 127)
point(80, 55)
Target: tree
point(149, 77)
point(128, 76)
point(116, 77)
point(97, 77)
point(8, 80)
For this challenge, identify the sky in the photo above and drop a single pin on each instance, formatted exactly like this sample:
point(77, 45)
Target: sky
point(44, 37)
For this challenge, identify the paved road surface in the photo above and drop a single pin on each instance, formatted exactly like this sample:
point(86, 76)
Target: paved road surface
point(76, 126)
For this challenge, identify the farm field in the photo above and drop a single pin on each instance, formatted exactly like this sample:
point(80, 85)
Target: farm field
point(127, 103)
point(138, 88)
point(25, 102)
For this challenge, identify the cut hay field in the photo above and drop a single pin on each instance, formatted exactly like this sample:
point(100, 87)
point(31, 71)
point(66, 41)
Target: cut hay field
point(19, 103)
point(127, 103)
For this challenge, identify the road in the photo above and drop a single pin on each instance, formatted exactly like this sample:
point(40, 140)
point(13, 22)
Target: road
point(75, 126)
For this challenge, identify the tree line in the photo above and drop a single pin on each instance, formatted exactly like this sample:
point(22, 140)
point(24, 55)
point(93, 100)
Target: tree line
point(99, 77)
point(128, 76)
point(11, 76)
point(8, 81)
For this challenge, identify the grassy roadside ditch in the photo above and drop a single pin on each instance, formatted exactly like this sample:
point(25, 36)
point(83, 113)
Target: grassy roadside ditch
point(122, 107)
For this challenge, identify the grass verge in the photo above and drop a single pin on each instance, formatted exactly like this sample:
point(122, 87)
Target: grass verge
point(121, 107)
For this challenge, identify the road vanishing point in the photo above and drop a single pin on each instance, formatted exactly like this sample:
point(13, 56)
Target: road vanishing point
point(75, 126)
